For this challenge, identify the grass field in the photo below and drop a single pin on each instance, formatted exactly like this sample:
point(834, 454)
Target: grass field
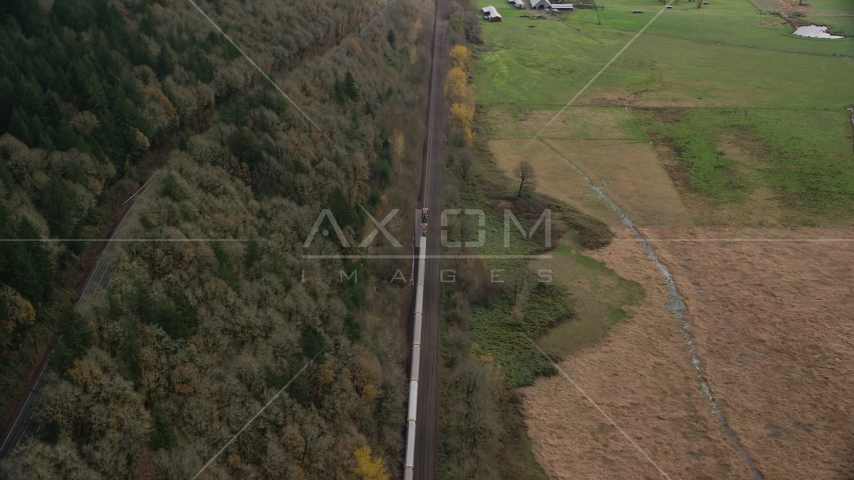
point(764, 141)
point(804, 156)
point(675, 62)
point(598, 295)
point(834, 13)
point(749, 127)
point(503, 328)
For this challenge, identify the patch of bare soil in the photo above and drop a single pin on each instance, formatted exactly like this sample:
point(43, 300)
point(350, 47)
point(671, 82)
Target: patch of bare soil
point(773, 324)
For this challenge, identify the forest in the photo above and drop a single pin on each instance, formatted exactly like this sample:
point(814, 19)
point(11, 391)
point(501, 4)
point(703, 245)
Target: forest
point(218, 308)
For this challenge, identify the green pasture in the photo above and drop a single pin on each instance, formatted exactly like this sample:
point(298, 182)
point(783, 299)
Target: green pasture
point(597, 294)
point(805, 156)
point(838, 25)
point(503, 327)
point(717, 55)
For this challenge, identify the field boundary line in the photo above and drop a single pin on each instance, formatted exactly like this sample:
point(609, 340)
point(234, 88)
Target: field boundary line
point(670, 107)
point(608, 417)
point(612, 60)
point(724, 44)
point(736, 240)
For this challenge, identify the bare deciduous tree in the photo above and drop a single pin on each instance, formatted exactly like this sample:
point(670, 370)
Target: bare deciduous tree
point(526, 176)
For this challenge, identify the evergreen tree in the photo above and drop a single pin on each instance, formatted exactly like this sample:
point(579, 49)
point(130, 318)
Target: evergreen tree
point(312, 342)
point(66, 137)
point(18, 126)
point(128, 356)
point(338, 92)
point(245, 146)
point(341, 210)
point(253, 253)
point(57, 206)
point(227, 272)
point(142, 303)
point(161, 436)
point(350, 86)
point(164, 65)
point(75, 338)
point(16, 267)
point(171, 189)
point(40, 257)
point(188, 317)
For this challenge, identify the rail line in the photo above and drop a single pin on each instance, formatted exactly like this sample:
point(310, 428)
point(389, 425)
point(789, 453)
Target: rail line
point(409, 465)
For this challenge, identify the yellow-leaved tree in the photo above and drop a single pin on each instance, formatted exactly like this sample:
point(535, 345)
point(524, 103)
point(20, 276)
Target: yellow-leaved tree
point(416, 29)
point(457, 85)
point(460, 56)
point(397, 147)
point(368, 467)
point(459, 92)
point(464, 115)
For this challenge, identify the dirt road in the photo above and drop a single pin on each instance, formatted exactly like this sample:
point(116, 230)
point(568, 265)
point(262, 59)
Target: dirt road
point(99, 276)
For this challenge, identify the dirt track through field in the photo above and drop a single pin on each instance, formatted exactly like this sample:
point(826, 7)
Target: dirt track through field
point(676, 306)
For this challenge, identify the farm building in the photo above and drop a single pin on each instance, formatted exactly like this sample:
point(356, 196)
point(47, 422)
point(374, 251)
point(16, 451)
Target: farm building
point(518, 4)
point(491, 14)
point(562, 6)
point(535, 4)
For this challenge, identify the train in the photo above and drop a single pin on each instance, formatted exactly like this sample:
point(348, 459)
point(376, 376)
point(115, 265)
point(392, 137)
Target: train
point(409, 464)
point(424, 221)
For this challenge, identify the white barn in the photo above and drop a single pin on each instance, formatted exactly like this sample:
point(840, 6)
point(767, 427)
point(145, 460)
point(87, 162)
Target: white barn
point(518, 3)
point(562, 6)
point(491, 14)
point(535, 4)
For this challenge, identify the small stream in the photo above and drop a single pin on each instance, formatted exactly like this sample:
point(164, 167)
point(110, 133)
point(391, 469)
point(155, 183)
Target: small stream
point(676, 306)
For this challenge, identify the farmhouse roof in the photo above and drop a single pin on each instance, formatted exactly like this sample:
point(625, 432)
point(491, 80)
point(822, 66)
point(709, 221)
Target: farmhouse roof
point(545, 3)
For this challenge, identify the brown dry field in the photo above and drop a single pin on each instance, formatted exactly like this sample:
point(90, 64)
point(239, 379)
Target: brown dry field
point(772, 320)
point(773, 324)
point(554, 178)
point(641, 376)
point(635, 178)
